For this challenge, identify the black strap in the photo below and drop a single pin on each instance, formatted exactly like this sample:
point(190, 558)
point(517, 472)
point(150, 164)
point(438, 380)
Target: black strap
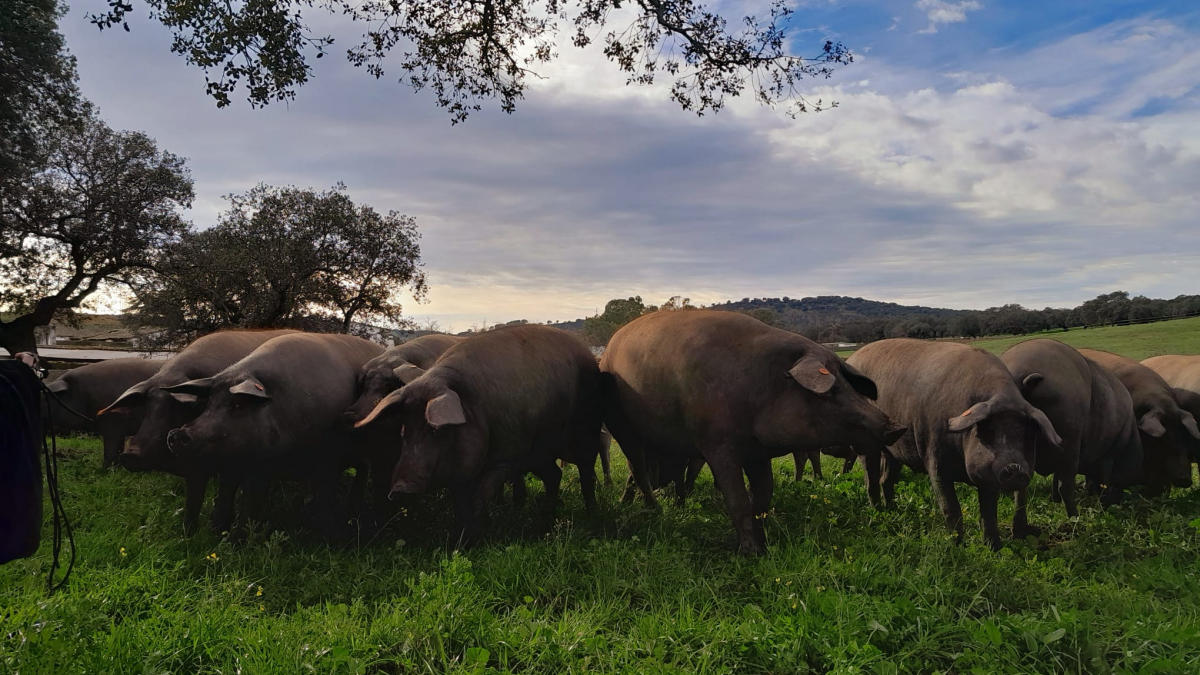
point(46, 391)
point(61, 524)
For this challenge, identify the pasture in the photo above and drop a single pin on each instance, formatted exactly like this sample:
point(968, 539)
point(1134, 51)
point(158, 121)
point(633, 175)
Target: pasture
point(843, 589)
point(1180, 336)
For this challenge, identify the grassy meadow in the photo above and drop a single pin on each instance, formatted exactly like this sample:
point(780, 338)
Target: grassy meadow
point(843, 589)
point(1181, 336)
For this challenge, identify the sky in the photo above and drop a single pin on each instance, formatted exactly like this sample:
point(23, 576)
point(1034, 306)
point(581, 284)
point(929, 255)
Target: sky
point(982, 152)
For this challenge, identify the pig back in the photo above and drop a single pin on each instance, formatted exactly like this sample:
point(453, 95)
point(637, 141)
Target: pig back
point(523, 378)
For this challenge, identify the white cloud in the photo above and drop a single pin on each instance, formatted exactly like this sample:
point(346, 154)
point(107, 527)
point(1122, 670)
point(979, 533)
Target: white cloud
point(941, 12)
point(963, 189)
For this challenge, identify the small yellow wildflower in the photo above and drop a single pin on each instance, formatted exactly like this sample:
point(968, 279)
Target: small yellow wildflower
point(123, 553)
point(213, 556)
point(827, 501)
point(259, 593)
point(262, 608)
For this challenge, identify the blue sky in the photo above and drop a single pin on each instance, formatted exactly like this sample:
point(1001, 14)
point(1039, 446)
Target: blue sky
point(983, 152)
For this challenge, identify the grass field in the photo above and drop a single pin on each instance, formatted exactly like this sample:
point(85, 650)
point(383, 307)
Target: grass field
point(1181, 336)
point(842, 590)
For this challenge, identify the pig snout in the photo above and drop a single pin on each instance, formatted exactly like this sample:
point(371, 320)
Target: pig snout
point(410, 480)
point(133, 459)
point(1013, 477)
point(406, 487)
point(179, 441)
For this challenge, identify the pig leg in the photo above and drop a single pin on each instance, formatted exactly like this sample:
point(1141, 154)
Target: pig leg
point(222, 516)
point(887, 478)
point(798, 459)
point(1055, 494)
point(587, 484)
point(989, 499)
point(641, 475)
point(728, 470)
point(194, 487)
point(1021, 527)
point(381, 483)
point(551, 475)
point(605, 461)
point(679, 478)
point(693, 470)
point(762, 485)
point(254, 497)
point(519, 493)
point(470, 505)
point(630, 490)
point(873, 461)
point(114, 443)
point(323, 509)
point(947, 500)
point(814, 457)
point(463, 495)
point(1065, 482)
point(847, 465)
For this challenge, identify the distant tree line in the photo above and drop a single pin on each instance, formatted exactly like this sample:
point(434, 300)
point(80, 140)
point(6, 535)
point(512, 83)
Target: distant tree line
point(845, 319)
point(1104, 310)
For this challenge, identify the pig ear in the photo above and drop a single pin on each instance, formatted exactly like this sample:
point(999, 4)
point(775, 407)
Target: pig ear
point(1189, 423)
point(445, 410)
point(250, 387)
point(1030, 380)
point(125, 403)
point(861, 383)
point(390, 404)
point(812, 375)
point(972, 416)
point(197, 388)
point(1151, 425)
point(58, 386)
point(407, 372)
point(1045, 425)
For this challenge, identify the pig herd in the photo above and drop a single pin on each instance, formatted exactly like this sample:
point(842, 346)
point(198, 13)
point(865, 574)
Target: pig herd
point(676, 390)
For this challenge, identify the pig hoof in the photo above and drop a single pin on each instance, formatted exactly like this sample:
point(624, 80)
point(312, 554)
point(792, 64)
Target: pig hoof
point(751, 549)
point(1027, 531)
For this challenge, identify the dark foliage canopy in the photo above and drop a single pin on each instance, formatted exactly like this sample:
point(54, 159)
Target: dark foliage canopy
point(469, 51)
point(283, 257)
point(37, 84)
point(93, 216)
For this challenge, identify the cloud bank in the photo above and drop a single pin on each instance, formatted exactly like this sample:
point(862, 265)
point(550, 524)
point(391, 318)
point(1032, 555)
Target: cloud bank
point(1043, 176)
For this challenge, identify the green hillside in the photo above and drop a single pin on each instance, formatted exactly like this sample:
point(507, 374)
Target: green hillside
point(1181, 336)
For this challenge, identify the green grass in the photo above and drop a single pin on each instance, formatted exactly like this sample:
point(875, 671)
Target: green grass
point(843, 589)
point(1181, 336)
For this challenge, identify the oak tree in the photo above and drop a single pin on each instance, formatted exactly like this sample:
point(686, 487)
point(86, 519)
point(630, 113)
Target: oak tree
point(283, 257)
point(469, 51)
point(103, 203)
